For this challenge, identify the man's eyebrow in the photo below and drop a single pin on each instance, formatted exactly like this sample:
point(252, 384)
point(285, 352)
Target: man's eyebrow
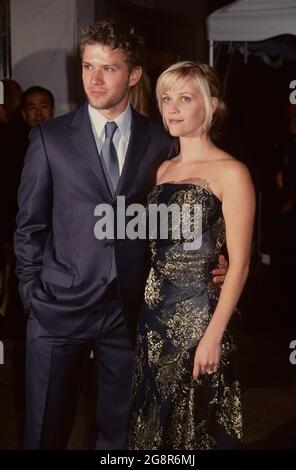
point(102, 65)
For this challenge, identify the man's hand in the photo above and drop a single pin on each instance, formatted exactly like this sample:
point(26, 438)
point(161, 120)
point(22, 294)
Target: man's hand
point(220, 272)
point(28, 309)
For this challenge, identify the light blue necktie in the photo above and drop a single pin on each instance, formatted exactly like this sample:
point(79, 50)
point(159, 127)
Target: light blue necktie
point(109, 154)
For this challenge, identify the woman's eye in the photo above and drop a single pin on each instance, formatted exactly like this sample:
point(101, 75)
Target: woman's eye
point(166, 99)
point(186, 99)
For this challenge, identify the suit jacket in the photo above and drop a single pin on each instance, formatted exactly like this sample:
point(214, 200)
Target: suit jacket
point(62, 267)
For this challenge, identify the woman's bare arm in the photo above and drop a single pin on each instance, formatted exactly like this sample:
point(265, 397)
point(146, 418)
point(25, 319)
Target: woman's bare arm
point(238, 210)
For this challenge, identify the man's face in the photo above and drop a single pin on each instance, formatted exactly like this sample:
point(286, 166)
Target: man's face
point(107, 79)
point(38, 108)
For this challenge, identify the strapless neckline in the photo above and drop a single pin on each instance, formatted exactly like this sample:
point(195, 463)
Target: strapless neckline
point(181, 183)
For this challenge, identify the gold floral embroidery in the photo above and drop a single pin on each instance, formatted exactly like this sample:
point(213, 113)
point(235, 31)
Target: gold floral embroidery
point(170, 410)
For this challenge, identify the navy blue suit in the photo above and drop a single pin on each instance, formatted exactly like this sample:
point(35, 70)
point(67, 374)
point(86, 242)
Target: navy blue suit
point(63, 271)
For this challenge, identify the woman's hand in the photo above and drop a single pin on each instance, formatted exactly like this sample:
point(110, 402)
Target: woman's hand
point(207, 357)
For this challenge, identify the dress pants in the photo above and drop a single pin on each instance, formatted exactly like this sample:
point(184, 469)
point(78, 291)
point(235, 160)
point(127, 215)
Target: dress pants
point(54, 375)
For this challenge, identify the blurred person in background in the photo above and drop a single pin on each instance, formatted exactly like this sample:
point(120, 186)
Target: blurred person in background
point(38, 105)
point(282, 220)
point(13, 138)
point(14, 141)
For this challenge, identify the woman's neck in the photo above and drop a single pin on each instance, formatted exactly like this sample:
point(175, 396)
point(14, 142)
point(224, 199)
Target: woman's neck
point(195, 149)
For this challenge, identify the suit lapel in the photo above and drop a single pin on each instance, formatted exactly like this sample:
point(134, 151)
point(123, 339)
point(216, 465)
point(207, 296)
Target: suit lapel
point(83, 139)
point(139, 140)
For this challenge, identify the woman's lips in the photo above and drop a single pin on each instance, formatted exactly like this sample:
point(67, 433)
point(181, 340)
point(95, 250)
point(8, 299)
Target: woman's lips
point(175, 121)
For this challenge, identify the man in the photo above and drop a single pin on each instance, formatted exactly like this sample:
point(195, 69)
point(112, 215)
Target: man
point(80, 292)
point(37, 104)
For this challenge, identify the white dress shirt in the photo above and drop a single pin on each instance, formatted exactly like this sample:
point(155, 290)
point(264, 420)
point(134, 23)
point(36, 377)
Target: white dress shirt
point(121, 136)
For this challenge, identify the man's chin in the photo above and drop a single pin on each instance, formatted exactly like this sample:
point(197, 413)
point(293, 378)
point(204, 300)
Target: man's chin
point(98, 103)
point(108, 105)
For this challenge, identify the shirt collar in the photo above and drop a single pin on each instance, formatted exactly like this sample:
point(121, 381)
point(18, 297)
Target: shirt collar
point(123, 121)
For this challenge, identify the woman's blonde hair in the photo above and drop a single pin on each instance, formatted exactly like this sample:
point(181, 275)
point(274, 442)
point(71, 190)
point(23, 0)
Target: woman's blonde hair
point(206, 81)
point(139, 95)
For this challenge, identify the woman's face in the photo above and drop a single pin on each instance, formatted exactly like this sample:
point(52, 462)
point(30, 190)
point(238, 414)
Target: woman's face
point(183, 110)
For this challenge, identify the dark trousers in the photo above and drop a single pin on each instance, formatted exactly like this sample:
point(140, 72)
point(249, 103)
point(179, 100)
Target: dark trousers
point(54, 372)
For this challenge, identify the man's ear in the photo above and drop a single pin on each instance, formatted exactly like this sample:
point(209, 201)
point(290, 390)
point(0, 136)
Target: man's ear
point(215, 103)
point(24, 116)
point(135, 76)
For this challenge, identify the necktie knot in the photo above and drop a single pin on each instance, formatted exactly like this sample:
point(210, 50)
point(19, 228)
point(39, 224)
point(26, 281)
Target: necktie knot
point(110, 128)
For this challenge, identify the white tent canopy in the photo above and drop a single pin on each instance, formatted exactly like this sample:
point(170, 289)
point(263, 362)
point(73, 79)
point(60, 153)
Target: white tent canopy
point(249, 25)
point(252, 20)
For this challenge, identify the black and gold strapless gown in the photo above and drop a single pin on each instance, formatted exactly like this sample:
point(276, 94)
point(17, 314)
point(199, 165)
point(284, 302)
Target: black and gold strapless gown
point(169, 409)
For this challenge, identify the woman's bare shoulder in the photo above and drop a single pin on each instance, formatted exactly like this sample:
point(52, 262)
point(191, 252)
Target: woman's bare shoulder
point(162, 169)
point(229, 165)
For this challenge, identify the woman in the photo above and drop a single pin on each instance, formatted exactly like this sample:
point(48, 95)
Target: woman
point(186, 393)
